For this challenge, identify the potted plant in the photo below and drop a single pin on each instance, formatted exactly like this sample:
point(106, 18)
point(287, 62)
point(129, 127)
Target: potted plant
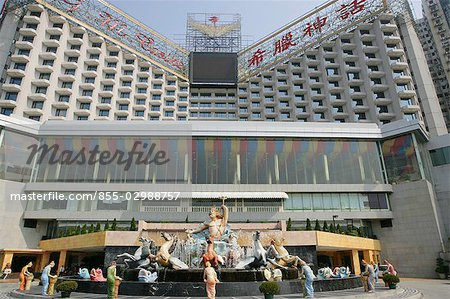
point(66, 287)
point(391, 280)
point(269, 288)
point(440, 268)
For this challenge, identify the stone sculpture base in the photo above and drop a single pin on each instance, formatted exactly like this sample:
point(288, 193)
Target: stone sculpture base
point(224, 289)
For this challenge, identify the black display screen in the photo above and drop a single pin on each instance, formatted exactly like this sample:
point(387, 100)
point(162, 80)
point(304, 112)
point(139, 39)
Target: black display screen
point(213, 68)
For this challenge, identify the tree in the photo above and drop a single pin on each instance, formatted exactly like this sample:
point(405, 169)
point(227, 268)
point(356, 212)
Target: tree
point(338, 229)
point(187, 219)
point(114, 225)
point(91, 228)
point(84, 229)
point(308, 224)
point(133, 226)
point(106, 225)
point(289, 224)
point(78, 230)
point(332, 228)
point(325, 226)
point(317, 226)
point(97, 227)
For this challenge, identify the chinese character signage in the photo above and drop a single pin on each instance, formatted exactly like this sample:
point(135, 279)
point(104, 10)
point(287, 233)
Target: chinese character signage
point(323, 23)
point(109, 22)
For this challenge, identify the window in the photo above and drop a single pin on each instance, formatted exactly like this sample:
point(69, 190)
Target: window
point(139, 113)
point(170, 103)
point(182, 99)
point(156, 97)
point(20, 66)
point(125, 95)
point(6, 111)
point(61, 112)
point(140, 102)
point(168, 113)
point(108, 87)
point(82, 117)
point(37, 105)
point(123, 106)
point(96, 45)
point(67, 85)
point(29, 39)
point(115, 53)
point(409, 116)
point(126, 83)
point(48, 62)
point(15, 80)
point(51, 49)
point(144, 69)
point(141, 90)
point(103, 112)
point(34, 117)
point(143, 79)
point(332, 71)
point(110, 76)
point(41, 89)
point(155, 108)
point(128, 73)
point(44, 76)
point(256, 115)
point(63, 98)
point(87, 93)
point(129, 61)
point(92, 68)
point(94, 56)
point(72, 59)
point(353, 76)
point(319, 115)
point(440, 156)
point(11, 96)
point(23, 52)
point(335, 96)
point(285, 115)
point(158, 76)
point(78, 35)
point(89, 80)
point(55, 37)
point(105, 100)
point(111, 64)
point(157, 86)
point(85, 106)
point(382, 109)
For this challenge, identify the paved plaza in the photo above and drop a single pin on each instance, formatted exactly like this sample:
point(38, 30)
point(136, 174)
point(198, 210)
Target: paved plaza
point(408, 288)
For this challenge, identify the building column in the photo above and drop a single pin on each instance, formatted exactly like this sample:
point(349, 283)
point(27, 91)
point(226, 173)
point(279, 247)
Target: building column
point(6, 258)
point(62, 259)
point(355, 262)
point(368, 255)
point(45, 259)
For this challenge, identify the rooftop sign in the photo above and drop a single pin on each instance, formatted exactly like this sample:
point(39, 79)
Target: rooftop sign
point(324, 22)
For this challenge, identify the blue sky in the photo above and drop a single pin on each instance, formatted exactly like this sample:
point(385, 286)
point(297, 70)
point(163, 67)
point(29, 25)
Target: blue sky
point(259, 18)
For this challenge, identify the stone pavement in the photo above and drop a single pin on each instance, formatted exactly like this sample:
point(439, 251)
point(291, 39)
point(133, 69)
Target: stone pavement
point(7, 291)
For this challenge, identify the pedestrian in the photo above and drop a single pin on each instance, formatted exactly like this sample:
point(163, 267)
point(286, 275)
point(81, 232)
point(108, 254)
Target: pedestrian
point(376, 269)
point(309, 279)
point(61, 270)
point(370, 274)
point(45, 277)
point(391, 270)
point(210, 278)
point(7, 271)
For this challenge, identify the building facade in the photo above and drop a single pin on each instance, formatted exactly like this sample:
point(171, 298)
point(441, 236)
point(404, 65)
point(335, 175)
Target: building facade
point(346, 132)
point(433, 30)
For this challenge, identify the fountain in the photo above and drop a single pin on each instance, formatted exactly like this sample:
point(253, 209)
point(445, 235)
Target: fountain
point(178, 265)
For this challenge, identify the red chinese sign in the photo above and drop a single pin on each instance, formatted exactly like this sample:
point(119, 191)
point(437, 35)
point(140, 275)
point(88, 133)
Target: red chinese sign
point(284, 44)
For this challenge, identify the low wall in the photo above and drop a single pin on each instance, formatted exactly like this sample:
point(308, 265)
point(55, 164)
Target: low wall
point(225, 289)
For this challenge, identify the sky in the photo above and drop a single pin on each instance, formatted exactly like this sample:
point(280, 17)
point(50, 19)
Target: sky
point(258, 18)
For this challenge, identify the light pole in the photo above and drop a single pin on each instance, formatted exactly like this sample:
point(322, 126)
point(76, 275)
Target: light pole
point(334, 217)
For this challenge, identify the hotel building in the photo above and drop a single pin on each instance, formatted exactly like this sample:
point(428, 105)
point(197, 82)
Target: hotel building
point(347, 129)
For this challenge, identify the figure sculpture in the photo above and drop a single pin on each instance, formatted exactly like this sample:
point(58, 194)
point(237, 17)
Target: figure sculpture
point(210, 278)
point(113, 281)
point(259, 258)
point(24, 274)
point(7, 271)
point(278, 255)
point(140, 258)
point(84, 273)
point(51, 285)
point(273, 274)
point(97, 275)
point(164, 257)
point(210, 255)
point(45, 277)
point(217, 224)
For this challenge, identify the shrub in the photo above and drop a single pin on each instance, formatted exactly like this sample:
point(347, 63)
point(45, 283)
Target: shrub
point(84, 229)
point(332, 228)
point(114, 225)
point(390, 279)
point(133, 226)
point(106, 225)
point(97, 227)
point(440, 267)
point(67, 286)
point(289, 224)
point(78, 230)
point(269, 287)
point(308, 224)
point(317, 226)
point(325, 226)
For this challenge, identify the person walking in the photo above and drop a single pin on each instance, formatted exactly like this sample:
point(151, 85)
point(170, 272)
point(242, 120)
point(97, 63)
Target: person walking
point(370, 274)
point(45, 277)
point(309, 279)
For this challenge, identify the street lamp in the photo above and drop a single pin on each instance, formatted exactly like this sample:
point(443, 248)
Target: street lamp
point(334, 217)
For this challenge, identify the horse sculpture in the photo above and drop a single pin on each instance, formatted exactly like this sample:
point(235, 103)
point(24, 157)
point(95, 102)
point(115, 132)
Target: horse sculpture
point(140, 257)
point(164, 256)
point(280, 257)
point(259, 258)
